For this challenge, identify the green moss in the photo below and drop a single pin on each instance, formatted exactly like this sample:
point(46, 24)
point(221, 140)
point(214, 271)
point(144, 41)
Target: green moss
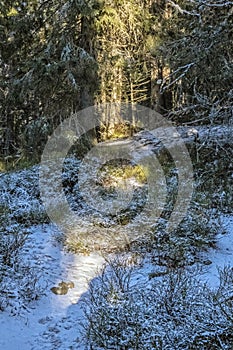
point(13, 164)
point(117, 170)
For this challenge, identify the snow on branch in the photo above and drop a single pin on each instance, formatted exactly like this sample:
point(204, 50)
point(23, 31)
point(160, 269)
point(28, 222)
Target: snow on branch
point(217, 4)
point(181, 71)
point(182, 11)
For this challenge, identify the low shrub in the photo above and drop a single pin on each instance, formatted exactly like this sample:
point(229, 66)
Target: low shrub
point(174, 311)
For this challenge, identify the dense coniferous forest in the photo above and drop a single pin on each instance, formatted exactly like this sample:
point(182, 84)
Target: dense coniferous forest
point(57, 57)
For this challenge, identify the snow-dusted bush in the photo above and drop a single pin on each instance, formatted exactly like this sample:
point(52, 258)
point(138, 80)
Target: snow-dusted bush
point(20, 208)
point(175, 311)
point(180, 247)
point(20, 192)
point(19, 281)
point(21, 198)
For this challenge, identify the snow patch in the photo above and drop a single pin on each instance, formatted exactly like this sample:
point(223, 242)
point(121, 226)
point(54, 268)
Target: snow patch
point(54, 321)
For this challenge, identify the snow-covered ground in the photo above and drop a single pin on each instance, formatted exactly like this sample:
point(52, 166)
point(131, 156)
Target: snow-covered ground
point(222, 255)
point(55, 321)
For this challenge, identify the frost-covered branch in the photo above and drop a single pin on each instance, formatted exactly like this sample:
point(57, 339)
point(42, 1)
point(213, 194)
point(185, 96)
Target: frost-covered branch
point(215, 4)
point(183, 69)
point(181, 10)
